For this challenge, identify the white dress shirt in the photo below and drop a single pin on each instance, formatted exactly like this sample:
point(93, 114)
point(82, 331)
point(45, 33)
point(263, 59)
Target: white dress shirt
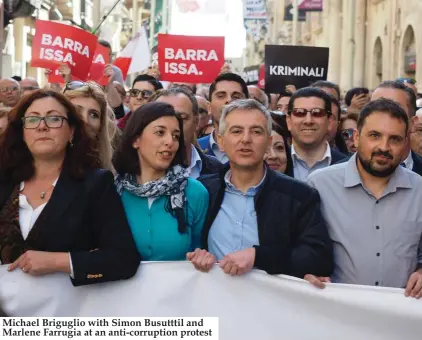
point(409, 161)
point(220, 155)
point(195, 166)
point(28, 216)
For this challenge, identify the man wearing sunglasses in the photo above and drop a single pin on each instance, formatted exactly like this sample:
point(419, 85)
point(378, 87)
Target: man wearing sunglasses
point(309, 116)
point(372, 206)
point(10, 92)
point(143, 88)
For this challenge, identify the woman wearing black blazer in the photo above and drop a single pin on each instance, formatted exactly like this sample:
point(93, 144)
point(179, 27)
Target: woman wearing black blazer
point(58, 211)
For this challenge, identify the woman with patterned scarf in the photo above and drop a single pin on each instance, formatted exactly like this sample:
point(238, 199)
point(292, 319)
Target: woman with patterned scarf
point(166, 209)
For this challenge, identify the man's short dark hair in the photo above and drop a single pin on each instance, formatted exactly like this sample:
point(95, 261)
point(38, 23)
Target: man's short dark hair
point(284, 94)
point(394, 84)
point(229, 77)
point(352, 92)
point(383, 105)
point(17, 78)
point(150, 79)
point(308, 92)
point(325, 83)
point(175, 91)
point(105, 44)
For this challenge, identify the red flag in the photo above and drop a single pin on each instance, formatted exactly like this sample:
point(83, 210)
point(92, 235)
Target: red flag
point(188, 59)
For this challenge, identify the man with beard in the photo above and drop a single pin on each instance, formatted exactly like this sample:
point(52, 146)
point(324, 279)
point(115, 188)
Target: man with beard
point(372, 206)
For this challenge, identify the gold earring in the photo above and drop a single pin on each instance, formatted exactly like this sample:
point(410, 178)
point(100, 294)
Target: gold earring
point(70, 143)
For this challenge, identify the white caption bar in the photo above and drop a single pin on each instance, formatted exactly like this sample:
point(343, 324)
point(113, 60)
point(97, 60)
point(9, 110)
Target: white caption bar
point(109, 328)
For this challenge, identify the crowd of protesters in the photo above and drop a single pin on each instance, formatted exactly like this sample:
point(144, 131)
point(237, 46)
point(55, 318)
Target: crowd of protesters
point(311, 182)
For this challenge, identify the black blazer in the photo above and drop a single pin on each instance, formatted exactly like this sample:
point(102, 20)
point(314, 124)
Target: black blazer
point(86, 218)
point(210, 164)
point(417, 163)
point(293, 236)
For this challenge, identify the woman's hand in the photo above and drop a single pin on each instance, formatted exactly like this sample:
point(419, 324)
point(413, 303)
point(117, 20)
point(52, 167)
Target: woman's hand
point(38, 263)
point(201, 259)
point(65, 72)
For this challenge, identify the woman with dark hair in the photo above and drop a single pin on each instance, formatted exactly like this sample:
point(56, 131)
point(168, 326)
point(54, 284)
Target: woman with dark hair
point(279, 157)
point(58, 211)
point(166, 209)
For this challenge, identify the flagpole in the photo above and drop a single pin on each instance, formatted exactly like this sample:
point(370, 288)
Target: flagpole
point(295, 22)
point(106, 16)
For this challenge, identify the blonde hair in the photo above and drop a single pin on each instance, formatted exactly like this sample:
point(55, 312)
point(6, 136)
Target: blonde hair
point(4, 111)
point(107, 125)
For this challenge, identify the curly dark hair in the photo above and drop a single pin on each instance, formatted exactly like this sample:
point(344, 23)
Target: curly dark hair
point(17, 162)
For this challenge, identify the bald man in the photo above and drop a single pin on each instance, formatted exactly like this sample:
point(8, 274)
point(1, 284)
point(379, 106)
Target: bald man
point(10, 92)
point(256, 93)
point(29, 85)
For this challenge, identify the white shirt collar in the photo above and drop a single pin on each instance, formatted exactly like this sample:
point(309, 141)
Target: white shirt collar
point(409, 161)
point(195, 159)
point(327, 154)
point(212, 140)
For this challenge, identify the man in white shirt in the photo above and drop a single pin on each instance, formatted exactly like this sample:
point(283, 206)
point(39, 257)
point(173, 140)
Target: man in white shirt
point(185, 103)
point(308, 118)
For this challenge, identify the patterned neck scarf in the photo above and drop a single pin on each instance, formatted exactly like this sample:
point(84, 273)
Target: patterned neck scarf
point(173, 184)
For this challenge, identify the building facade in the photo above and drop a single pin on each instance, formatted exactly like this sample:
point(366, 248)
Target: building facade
point(369, 40)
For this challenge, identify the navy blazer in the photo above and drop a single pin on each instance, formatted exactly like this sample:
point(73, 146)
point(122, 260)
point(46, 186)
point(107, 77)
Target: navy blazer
point(210, 164)
point(417, 163)
point(293, 236)
point(85, 218)
point(204, 143)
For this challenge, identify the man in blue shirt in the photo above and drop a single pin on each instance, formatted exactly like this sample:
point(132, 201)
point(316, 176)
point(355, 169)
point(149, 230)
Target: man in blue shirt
point(225, 88)
point(258, 217)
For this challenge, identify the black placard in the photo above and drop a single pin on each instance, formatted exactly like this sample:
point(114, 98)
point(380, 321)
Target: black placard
point(294, 65)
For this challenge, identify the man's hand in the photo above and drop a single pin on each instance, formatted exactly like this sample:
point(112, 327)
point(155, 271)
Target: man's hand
point(291, 88)
point(414, 285)
point(358, 102)
point(40, 262)
point(317, 281)
point(201, 259)
point(239, 262)
point(109, 73)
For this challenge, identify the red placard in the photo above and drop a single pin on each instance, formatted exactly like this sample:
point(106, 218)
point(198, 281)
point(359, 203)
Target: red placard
point(55, 44)
point(188, 59)
point(261, 79)
point(100, 60)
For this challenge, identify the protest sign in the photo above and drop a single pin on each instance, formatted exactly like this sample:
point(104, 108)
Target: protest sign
point(253, 306)
point(251, 74)
point(189, 59)
point(55, 44)
point(99, 61)
point(294, 65)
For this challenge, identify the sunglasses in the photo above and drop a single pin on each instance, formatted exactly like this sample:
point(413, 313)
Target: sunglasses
point(144, 93)
point(347, 134)
point(407, 80)
point(315, 113)
point(75, 85)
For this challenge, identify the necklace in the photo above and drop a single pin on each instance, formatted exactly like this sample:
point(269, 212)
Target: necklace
point(43, 193)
